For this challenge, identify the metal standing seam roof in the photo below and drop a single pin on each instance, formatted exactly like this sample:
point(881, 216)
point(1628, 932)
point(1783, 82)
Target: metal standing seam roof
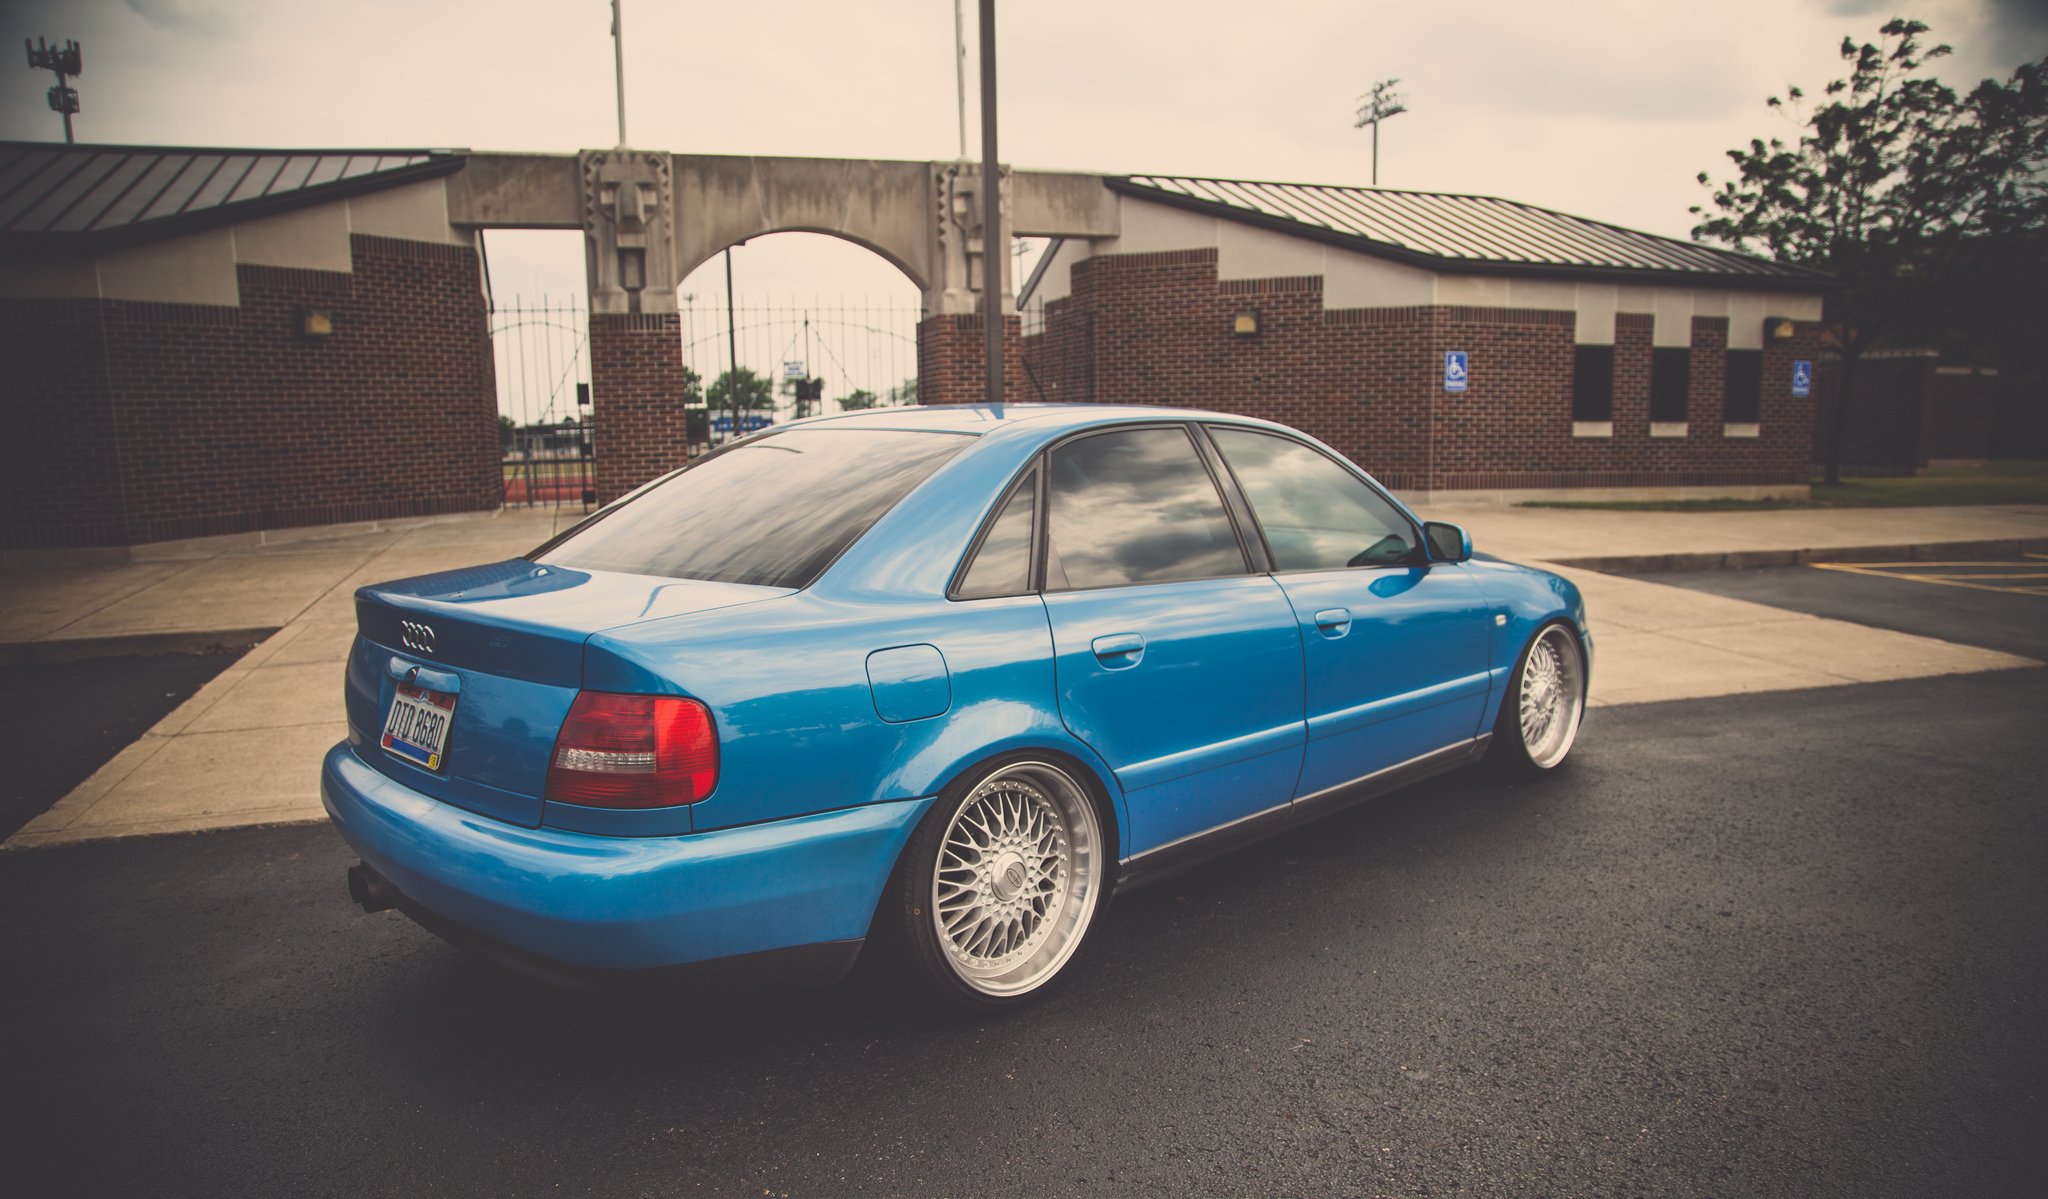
point(87, 195)
point(1449, 232)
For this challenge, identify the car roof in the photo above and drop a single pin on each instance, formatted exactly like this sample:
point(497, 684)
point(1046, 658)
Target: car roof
point(1043, 420)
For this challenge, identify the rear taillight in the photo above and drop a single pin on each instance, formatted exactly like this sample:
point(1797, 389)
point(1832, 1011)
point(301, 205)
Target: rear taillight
point(634, 751)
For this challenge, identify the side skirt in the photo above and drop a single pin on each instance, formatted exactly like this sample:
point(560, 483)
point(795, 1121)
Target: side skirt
point(1175, 857)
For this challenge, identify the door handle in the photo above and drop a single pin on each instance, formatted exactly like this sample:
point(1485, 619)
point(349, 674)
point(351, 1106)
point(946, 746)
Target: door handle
point(1118, 650)
point(1334, 622)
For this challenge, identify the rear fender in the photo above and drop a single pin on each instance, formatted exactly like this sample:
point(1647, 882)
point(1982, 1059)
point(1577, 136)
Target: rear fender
point(800, 731)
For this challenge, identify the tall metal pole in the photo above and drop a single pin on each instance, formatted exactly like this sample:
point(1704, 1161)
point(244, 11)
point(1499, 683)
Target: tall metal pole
point(732, 344)
point(1377, 105)
point(619, 66)
point(992, 256)
point(960, 70)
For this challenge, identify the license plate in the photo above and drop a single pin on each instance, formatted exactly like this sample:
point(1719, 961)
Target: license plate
point(417, 729)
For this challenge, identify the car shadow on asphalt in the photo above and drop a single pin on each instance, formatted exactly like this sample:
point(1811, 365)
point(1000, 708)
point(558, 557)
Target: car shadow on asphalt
point(1215, 936)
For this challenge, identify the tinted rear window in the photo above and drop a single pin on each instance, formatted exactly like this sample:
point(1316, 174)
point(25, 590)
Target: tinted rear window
point(774, 511)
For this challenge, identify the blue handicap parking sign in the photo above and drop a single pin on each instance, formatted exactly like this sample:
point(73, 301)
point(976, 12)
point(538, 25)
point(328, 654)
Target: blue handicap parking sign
point(1455, 373)
point(1802, 378)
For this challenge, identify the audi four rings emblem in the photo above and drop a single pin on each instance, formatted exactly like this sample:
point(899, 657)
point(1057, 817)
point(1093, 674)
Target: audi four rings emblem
point(416, 636)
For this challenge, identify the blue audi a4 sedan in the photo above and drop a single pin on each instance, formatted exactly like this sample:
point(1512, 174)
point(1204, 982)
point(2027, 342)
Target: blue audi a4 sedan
point(925, 684)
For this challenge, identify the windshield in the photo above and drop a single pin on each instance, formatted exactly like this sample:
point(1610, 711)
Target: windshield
point(772, 511)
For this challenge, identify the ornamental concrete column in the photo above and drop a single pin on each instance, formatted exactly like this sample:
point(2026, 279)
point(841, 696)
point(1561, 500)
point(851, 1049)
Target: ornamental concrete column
point(969, 265)
point(638, 427)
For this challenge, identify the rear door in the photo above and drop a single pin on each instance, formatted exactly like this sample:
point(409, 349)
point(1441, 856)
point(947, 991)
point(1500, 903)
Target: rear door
point(1395, 646)
point(1173, 661)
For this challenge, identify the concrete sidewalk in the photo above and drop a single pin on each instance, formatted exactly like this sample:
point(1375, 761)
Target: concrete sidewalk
point(246, 748)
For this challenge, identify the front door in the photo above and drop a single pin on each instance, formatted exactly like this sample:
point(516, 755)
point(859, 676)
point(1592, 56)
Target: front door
point(1395, 646)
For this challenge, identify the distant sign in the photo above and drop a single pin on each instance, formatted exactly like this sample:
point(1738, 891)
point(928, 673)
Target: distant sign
point(793, 368)
point(1455, 372)
point(749, 421)
point(1802, 378)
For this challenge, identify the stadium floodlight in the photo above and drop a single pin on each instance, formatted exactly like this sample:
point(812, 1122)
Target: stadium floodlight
point(1376, 106)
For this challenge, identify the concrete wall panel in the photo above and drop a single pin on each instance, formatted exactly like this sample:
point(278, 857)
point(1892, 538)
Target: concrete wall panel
point(314, 238)
point(55, 279)
point(199, 269)
point(415, 213)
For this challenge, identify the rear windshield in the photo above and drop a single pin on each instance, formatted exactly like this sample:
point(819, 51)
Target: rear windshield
point(772, 511)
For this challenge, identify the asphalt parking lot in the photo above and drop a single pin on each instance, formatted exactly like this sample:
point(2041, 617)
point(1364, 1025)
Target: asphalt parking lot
point(1993, 603)
point(60, 720)
point(1787, 944)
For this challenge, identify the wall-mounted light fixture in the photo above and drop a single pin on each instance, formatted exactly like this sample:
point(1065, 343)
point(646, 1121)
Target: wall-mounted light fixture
point(315, 323)
point(1245, 324)
point(1779, 328)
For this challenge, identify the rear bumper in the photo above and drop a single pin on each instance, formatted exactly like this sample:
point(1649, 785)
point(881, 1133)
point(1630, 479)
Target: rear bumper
point(792, 896)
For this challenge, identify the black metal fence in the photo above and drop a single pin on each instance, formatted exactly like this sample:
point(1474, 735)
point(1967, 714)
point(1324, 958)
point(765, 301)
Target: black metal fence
point(862, 353)
point(542, 354)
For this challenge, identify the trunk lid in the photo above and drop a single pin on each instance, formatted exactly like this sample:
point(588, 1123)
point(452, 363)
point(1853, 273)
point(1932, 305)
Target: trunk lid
point(506, 642)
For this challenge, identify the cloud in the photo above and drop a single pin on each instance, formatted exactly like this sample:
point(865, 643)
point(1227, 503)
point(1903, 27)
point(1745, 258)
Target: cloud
point(2024, 22)
point(192, 17)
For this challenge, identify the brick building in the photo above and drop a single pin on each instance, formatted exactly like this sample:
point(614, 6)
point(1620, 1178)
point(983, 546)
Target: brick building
point(198, 342)
point(1912, 410)
point(1593, 357)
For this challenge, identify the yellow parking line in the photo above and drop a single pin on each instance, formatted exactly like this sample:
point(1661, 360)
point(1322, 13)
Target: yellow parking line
point(1865, 568)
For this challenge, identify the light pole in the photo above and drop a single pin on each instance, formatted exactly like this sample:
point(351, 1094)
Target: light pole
point(65, 62)
point(991, 211)
point(619, 66)
point(1377, 105)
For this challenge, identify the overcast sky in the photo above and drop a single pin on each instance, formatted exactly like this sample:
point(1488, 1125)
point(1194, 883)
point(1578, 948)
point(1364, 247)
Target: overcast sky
point(1606, 108)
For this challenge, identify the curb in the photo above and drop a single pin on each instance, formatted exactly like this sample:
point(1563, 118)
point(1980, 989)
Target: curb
point(81, 649)
point(1637, 564)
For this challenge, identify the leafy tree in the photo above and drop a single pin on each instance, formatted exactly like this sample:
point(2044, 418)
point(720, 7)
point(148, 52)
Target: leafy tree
point(754, 391)
point(507, 430)
point(906, 393)
point(693, 388)
point(1891, 186)
point(858, 399)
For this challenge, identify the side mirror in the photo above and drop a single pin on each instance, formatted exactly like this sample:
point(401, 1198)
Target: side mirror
point(1447, 542)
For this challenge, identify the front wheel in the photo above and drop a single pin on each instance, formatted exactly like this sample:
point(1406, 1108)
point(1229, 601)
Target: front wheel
point(1546, 700)
point(998, 885)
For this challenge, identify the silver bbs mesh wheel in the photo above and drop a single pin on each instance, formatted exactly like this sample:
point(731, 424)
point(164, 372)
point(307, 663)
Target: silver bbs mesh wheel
point(1017, 879)
point(1553, 696)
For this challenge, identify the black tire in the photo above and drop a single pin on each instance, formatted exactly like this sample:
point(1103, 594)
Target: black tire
point(908, 925)
point(1510, 751)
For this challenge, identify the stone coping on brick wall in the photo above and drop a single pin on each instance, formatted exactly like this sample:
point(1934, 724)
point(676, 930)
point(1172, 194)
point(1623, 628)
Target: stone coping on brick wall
point(1506, 496)
point(208, 547)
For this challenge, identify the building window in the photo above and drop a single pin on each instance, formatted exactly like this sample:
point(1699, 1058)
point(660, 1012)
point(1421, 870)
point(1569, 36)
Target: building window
point(1745, 398)
point(1592, 383)
point(1670, 382)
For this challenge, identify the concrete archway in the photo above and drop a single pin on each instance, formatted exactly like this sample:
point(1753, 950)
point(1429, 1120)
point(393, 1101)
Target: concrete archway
point(650, 217)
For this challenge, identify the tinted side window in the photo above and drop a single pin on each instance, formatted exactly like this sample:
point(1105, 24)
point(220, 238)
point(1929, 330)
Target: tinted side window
point(1315, 514)
point(1002, 566)
point(1135, 506)
point(772, 510)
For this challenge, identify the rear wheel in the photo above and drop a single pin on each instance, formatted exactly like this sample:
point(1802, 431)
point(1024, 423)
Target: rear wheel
point(998, 886)
point(1546, 700)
